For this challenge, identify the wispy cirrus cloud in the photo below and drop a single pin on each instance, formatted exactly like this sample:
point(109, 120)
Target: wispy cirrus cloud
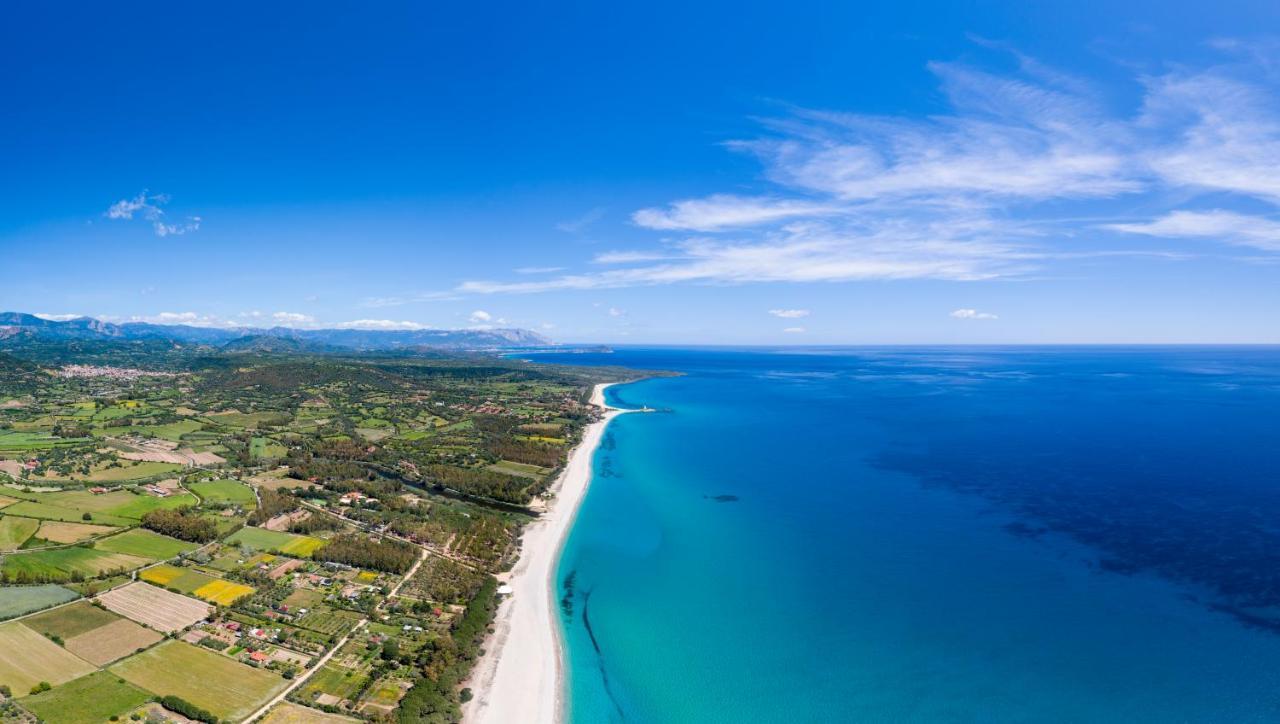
point(723, 212)
point(1022, 171)
point(148, 206)
point(576, 225)
point(789, 313)
point(1233, 228)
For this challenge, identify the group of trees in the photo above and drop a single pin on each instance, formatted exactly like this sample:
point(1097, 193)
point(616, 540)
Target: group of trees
point(445, 662)
point(272, 503)
point(187, 709)
point(360, 551)
point(481, 482)
point(183, 523)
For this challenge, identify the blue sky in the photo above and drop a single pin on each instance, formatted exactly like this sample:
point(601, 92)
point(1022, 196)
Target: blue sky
point(808, 173)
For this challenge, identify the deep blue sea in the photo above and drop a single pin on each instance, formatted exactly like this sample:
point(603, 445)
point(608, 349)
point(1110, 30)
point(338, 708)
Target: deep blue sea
point(931, 534)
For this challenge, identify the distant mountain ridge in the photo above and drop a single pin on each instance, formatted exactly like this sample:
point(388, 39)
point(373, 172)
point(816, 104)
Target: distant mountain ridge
point(17, 327)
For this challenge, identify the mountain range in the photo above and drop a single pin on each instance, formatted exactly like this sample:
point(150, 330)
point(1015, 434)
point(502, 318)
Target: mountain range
point(17, 328)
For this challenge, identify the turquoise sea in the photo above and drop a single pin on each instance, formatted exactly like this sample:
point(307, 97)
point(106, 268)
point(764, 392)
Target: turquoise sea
point(931, 534)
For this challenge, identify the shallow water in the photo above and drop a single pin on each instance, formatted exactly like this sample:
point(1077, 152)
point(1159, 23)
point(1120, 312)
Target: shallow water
point(931, 534)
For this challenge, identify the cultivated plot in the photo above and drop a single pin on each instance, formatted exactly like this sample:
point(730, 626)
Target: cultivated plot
point(57, 531)
point(19, 600)
point(290, 713)
point(30, 658)
point(93, 698)
point(70, 621)
point(115, 640)
point(227, 688)
point(155, 607)
point(145, 543)
point(61, 564)
point(269, 540)
point(15, 531)
point(201, 585)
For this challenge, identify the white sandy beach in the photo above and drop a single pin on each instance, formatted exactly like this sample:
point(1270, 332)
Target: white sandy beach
point(519, 677)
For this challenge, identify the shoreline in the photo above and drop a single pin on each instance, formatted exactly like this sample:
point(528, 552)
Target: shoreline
point(520, 677)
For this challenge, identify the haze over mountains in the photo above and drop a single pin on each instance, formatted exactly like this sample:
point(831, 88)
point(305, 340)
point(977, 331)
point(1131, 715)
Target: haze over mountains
point(17, 328)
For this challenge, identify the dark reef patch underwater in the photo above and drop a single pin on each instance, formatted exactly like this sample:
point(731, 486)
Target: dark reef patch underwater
point(994, 534)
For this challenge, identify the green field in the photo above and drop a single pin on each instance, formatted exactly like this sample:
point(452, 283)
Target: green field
point(261, 539)
point(225, 491)
point(18, 600)
point(93, 698)
point(227, 688)
point(68, 621)
point(523, 470)
point(173, 431)
point(15, 531)
point(136, 471)
point(333, 680)
point(12, 441)
point(59, 564)
point(115, 508)
point(45, 511)
point(265, 447)
point(329, 621)
point(145, 543)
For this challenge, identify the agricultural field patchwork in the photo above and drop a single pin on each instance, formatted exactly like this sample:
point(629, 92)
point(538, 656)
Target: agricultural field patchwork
point(94, 449)
point(67, 622)
point(193, 582)
point(228, 689)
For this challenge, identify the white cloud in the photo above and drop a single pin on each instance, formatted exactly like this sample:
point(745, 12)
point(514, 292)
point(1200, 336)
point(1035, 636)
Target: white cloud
point(972, 314)
point(615, 312)
point(480, 317)
point(126, 208)
point(989, 187)
point(165, 229)
point(293, 318)
point(539, 269)
point(574, 226)
point(148, 205)
point(723, 211)
point(794, 330)
point(955, 250)
point(381, 324)
point(57, 317)
point(632, 257)
point(1219, 225)
point(191, 319)
point(789, 313)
